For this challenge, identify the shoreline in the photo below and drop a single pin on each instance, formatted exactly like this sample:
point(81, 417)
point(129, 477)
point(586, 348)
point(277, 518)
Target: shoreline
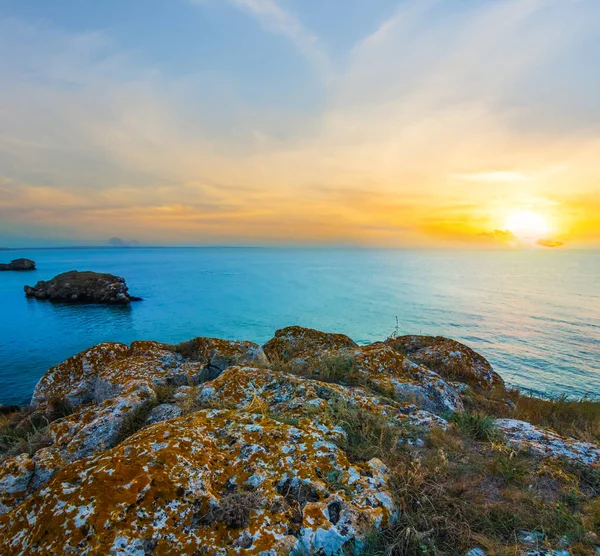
point(308, 442)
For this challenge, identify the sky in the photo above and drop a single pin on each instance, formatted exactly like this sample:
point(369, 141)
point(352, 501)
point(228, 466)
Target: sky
point(392, 123)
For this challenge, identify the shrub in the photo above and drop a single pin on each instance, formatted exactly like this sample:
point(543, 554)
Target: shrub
point(164, 393)
point(234, 510)
point(477, 426)
point(134, 420)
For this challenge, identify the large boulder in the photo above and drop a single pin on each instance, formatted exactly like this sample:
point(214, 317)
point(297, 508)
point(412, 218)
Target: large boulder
point(18, 264)
point(449, 358)
point(295, 342)
point(214, 482)
point(82, 287)
point(105, 371)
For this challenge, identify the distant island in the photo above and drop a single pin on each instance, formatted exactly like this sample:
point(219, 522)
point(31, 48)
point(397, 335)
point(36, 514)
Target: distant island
point(310, 444)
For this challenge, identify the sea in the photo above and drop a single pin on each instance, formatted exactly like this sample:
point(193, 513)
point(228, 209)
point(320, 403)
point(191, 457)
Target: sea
point(534, 314)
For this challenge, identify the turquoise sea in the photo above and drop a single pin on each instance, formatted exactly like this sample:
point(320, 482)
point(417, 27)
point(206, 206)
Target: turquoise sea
point(534, 314)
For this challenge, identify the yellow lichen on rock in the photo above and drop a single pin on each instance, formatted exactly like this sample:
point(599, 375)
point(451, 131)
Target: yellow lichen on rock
point(297, 342)
point(449, 358)
point(159, 489)
point(310, 402)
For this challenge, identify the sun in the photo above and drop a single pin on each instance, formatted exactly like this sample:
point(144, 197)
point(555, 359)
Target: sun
point(528, 225)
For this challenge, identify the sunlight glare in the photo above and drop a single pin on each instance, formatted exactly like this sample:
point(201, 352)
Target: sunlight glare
point(528, 225)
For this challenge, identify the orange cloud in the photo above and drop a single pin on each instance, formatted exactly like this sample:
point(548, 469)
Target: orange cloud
point(550, 243)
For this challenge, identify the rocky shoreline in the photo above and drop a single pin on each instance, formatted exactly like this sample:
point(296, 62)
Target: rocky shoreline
point(309, 444)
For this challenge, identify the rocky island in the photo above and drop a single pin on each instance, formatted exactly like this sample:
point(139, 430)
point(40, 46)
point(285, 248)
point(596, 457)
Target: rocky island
point(310, 444)
point(82, 287)
point(18, 264)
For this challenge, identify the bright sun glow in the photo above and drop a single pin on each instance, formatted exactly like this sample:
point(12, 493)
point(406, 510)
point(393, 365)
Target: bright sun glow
point(528, 225)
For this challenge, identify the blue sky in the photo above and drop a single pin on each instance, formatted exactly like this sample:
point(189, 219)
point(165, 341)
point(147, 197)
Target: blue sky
point(405, 122)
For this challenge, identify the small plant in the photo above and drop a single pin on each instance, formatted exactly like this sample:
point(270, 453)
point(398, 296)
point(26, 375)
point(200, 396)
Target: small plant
point(285, 419)
point(189, 402)
point(58, 408)
point(164, 393)
point(477, 426)
point(337, 369)
point(234, 510)
point(135, 420)
point(511, 467)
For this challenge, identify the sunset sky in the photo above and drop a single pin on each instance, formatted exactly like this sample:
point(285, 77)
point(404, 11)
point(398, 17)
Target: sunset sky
point(413, 123)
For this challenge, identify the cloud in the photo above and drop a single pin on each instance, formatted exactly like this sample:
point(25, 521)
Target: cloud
point(276, 20)
point(93, 136)
point(502, 236)
point(550, 243)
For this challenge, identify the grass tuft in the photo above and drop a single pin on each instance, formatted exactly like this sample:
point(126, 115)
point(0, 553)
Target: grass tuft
point(477, 426)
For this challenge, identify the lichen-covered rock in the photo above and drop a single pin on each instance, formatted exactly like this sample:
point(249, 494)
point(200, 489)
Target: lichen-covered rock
point(15, 476)
point(548, 444)
point(172, 488)
point(450, 359)
point(18, 264)
point(96, 427)
point(261, 468)
point(163, 412)
point(82, 287)
point(104, 371)
point(296, 342)
point(384, 369)
point(309, 402)
point(93, 429)
point(217, 354)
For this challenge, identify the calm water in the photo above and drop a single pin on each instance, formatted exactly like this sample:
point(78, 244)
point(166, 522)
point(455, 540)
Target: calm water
point(534, 314)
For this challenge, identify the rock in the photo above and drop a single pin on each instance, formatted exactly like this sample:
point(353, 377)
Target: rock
point(296, 342)
point(174, 486)
point(163, 412)
point(308, 402)
point(245, 457)
point(104, 371)
point(475, 552)
point(8, 409)
point(450, 359)
point(82, 287)
point(18, 264)
point(15, 475)
point(384, 369)
point(217, 354)
point(548, 444)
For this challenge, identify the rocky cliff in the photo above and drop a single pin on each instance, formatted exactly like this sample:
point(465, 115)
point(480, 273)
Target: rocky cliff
point(306, 445)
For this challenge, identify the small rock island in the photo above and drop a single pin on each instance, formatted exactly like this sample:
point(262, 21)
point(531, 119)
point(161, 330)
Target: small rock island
point(308, 445)
point(82, 287)
point(18, 264)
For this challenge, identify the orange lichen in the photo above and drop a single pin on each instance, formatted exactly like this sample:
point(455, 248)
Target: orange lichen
point(449, 358)
point(157, 486)
point(297, 342)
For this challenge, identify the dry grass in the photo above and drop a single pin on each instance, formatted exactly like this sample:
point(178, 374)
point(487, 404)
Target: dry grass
point(457, 493)
point(579, 418)
point(164, 393)
point(135, 420)
point(234, 510)
point(25, 430)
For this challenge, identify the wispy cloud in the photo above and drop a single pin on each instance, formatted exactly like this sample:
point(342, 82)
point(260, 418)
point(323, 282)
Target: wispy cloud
point(279, 21)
